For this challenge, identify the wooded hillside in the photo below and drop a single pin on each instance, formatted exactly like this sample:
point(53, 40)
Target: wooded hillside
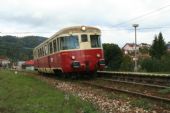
point(19, 48)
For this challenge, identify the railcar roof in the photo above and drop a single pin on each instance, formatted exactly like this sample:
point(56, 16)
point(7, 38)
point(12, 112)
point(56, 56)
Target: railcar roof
point(77, 29)
point(74, 29)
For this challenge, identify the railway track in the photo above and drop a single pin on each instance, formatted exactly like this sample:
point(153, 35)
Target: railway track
point(137, 94)
point(145, 78)
point(80, 87)
point(135, 83)
point(127, 91)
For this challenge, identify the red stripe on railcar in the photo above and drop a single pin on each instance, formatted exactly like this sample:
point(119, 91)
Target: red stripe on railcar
point(88, 60)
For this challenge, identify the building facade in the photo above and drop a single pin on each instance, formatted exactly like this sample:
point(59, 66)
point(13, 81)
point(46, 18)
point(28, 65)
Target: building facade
point(4, 62)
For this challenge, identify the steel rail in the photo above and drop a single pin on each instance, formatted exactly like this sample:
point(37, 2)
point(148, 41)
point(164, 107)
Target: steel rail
point(135, 73)
point(166, 100)
point(126, 82)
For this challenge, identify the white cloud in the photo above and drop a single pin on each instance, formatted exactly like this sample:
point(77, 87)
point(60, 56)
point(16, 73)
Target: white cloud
point(51, 15)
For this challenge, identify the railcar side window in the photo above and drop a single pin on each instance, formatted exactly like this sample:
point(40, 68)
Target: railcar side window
point(54, 45)
point(50, 47)
point(84, 38)
point(42, 51)
point(69, 42)
point(58, 44)
point(46, 50)
point(38, 53)
point(95, 41)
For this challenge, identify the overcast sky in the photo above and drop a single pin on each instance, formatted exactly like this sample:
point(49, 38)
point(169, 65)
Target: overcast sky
point(113, 17)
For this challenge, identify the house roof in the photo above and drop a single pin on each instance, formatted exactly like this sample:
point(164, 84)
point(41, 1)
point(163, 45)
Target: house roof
point(29, 62)
point(3, 58)
point(130, 44)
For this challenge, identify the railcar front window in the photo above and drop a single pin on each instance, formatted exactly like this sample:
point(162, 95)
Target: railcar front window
point(84, 38)
point(95, 41)
point(69, 42)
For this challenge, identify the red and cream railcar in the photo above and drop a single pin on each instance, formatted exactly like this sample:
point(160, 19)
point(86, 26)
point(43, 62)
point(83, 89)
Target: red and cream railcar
point(73, 49)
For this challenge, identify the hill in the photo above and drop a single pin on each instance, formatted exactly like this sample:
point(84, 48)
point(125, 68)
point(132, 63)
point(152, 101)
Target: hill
point(19, 48)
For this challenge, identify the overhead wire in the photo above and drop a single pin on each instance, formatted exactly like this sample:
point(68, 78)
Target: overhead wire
point(144, 28)
point(141, 16)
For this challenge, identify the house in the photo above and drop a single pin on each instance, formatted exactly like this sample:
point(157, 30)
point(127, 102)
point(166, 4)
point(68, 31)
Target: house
point(168, 47)
point(28, 65)
point(129, 48)
point(4, 62)
point(144, 45)
point(18, 65)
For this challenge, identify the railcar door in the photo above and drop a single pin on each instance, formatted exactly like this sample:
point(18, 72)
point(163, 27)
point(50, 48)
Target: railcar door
point(49, 61)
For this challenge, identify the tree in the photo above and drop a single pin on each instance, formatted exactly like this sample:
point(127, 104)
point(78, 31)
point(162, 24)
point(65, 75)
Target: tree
point(162, 45)
point(154, 47)
point(113, 56)
point(158, 48)
point(160, 58)
point(127, 63)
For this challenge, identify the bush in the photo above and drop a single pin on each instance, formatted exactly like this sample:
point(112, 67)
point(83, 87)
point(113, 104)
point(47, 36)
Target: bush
point(156, 65)
point(113, 56)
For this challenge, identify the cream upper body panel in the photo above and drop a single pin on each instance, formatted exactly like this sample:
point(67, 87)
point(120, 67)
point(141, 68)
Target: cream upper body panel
point(71, 31)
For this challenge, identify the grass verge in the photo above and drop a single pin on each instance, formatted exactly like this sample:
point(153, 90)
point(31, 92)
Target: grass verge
point(165, 91)
point(25, 94)
point(141, 103)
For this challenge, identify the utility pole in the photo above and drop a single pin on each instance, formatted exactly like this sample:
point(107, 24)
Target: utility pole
point(136, 65)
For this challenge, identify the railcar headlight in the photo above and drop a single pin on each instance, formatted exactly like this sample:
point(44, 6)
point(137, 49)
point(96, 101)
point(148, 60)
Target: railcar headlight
point(98, 55)
point(73, 57)
point(83, 28)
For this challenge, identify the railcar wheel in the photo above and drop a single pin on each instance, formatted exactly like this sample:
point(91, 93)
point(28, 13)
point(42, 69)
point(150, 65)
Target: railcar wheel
point(58, 73)
point(75, 76)
point(94, 75)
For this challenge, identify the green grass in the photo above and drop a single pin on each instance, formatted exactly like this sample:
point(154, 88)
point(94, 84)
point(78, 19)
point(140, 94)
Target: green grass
point(165, 91)
point(25, 94)
point(141, 103)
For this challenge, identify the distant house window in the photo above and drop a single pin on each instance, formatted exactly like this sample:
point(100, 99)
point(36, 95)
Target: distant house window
point(84, 38)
